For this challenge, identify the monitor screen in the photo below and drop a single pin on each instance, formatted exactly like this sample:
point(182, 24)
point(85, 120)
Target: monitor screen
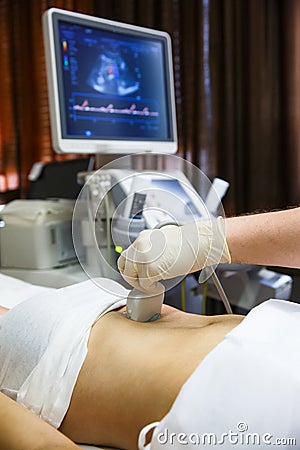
point(110, 84)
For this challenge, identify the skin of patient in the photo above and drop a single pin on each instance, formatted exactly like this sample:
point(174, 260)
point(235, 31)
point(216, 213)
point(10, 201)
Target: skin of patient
point(133, 372)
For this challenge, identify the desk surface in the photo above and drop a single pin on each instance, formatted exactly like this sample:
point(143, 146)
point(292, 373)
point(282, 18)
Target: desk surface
point(56, 277)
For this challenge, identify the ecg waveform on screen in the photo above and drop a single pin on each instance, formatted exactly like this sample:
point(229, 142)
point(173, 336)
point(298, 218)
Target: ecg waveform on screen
point(111, 109)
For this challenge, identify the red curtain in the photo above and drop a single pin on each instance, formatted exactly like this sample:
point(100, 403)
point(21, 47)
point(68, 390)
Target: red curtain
point(237, 81)
point(255, 48)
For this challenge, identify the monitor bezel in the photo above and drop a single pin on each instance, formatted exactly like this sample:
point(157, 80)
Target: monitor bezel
point(84, 145)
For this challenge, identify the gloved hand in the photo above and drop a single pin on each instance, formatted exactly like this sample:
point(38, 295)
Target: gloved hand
point(172, 251)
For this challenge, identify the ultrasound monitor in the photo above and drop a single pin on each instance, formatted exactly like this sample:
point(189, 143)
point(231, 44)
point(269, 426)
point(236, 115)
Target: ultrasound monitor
point(110, 85)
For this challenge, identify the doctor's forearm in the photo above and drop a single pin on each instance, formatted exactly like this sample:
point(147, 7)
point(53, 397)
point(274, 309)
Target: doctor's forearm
point(265, 239)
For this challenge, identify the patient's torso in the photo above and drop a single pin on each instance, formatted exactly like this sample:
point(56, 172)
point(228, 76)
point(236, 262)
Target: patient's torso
point(134, 371)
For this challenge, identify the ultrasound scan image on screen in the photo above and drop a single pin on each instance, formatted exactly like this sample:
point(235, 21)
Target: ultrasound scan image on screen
point(109, 82)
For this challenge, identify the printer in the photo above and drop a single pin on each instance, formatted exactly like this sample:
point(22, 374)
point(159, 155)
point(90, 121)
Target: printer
point(36, 234)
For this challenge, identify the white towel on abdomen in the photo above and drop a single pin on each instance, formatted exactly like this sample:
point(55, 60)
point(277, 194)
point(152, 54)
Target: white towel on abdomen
point(43, 344)
point(248, 388)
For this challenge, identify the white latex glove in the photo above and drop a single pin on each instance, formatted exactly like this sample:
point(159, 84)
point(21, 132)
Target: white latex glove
point(173, 251)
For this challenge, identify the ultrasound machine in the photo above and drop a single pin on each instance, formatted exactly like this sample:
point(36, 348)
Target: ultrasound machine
point(111, 93)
